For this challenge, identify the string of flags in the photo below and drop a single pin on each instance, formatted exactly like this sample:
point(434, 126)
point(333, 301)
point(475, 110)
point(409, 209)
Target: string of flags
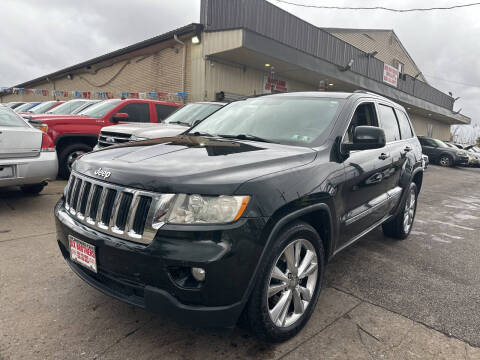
point(102, 95)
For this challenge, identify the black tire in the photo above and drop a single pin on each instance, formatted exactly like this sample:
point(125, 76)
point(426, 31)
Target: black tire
point(33, 189)
point(445, 160)
point(64, 157)
point(256, 313)
point(396, 228)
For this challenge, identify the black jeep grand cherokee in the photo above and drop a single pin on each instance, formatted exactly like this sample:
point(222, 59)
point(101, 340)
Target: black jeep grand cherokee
point(241, 213)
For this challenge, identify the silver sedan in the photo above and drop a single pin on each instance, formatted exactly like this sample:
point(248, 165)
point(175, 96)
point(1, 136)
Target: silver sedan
point(27, 155)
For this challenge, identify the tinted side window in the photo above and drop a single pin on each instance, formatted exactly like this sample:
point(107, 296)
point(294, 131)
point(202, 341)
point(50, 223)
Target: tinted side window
point(137, 112)
point(163, 111)
point(388, 122)
point(364, 115)
point(405, 128)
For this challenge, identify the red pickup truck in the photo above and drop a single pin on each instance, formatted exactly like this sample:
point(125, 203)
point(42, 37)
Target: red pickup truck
point(75, 135)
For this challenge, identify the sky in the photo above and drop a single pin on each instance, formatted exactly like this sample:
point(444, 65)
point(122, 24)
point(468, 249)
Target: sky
point(39, 37)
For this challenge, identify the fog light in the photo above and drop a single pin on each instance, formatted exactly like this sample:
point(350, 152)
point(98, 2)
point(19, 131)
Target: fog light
point(198, 274)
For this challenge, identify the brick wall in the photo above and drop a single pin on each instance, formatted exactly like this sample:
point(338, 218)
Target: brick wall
point(158, 68)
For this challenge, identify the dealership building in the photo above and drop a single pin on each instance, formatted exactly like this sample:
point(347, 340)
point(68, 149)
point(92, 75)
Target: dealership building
point(247, 48)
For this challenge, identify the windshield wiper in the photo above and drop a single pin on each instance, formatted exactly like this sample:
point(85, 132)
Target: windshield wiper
point(198, 133)
point(180, 123)
point(245, 137)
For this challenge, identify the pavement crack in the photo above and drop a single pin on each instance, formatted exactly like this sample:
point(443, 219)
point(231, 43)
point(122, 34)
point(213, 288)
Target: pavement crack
point(398, 313)
point(320, 331)
point(359, 328)
point(26, 237)
point(122, 338)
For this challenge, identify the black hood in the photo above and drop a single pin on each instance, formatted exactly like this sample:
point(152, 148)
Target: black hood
point(191, 164)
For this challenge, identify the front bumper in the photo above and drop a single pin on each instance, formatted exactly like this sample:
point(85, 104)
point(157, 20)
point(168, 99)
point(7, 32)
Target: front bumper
point(144, 275)
point(33, 170)
point(462, 160)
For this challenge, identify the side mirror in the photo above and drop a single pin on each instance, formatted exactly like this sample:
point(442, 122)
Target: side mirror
point(365, 138)
point(119, 117)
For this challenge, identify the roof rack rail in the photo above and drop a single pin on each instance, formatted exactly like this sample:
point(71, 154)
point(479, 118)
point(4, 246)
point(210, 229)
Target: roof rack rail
point(366, 92)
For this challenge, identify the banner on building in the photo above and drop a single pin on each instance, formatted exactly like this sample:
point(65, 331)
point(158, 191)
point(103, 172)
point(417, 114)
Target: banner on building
point(271, 85)
point(101, 95)
point(390, 75)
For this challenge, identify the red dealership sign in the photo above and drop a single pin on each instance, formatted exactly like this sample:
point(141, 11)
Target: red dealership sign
point(390, 75)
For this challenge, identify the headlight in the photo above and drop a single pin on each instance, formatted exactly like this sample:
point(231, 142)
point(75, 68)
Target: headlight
point(135, 138)
point(197, 209)
point(461, 152)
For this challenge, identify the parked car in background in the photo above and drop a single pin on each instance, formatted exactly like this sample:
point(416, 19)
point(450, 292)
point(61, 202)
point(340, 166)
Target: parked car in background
point(14, 104)
point(69, 107)
point(27, 155)
point(26, 106)
point(179, 121)
point(44, 107)
point(440, 153)
point(239, 214)
point(75, 135)
point(72, 106)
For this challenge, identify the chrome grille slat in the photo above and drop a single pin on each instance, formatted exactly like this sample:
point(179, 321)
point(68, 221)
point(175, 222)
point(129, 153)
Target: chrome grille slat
point(116, 207)
point(78, 206)
point(89, 202)
point(72, 195)
point(92, 191)
point(101, 204)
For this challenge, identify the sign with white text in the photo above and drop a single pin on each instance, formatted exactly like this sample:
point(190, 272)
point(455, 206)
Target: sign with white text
point(390, 75)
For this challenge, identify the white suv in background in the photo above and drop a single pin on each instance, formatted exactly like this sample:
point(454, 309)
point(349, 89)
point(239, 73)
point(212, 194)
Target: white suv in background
point(178, 122)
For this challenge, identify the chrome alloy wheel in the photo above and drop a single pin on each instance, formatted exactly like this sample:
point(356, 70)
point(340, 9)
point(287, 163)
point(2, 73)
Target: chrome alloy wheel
point(292, 283)
point(409, 212)
point(445, 161)
point(74, 156)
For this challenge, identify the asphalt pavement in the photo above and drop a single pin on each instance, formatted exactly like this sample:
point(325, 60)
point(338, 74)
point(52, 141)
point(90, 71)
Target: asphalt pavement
point(384, 299)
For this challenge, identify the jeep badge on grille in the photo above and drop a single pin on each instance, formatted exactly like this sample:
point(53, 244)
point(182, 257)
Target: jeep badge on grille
point(103, 173)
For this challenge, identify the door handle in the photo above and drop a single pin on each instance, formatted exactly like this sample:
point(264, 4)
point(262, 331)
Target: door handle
point(407, 149)
point(383, 156)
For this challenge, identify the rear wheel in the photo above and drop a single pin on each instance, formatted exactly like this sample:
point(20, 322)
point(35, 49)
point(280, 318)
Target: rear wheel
point(288, 285)
point(445, 161)
point(34, 189)
point(68, 155)
point(401, 225)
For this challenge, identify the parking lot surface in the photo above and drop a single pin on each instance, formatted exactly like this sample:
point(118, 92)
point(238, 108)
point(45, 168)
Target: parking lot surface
point(384, 299)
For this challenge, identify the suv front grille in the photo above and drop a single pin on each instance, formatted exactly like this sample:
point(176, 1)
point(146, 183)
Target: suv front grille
point(119, 211)
point(112, 138)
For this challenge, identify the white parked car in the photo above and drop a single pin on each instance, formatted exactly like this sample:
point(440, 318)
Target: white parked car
point(27, 155)
point(178, 122)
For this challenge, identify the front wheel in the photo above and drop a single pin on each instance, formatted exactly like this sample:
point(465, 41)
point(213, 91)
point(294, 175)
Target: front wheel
point(401, 225)
point(288, 284)
point(68, 155)
point(445, 161)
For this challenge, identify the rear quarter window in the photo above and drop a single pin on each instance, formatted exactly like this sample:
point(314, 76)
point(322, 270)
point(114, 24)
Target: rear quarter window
point(405, 127)
point(388, 122)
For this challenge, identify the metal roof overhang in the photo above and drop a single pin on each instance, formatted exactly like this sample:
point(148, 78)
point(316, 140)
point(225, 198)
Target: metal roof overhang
point(256, 51)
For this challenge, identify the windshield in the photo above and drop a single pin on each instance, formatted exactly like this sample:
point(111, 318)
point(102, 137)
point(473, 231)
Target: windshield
point(66, 108)
point(25, 107)
point(292, 120)
point(84, 106)
point(42, 107)
point(442, 144)
point(100, 109)
point(190, 113)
